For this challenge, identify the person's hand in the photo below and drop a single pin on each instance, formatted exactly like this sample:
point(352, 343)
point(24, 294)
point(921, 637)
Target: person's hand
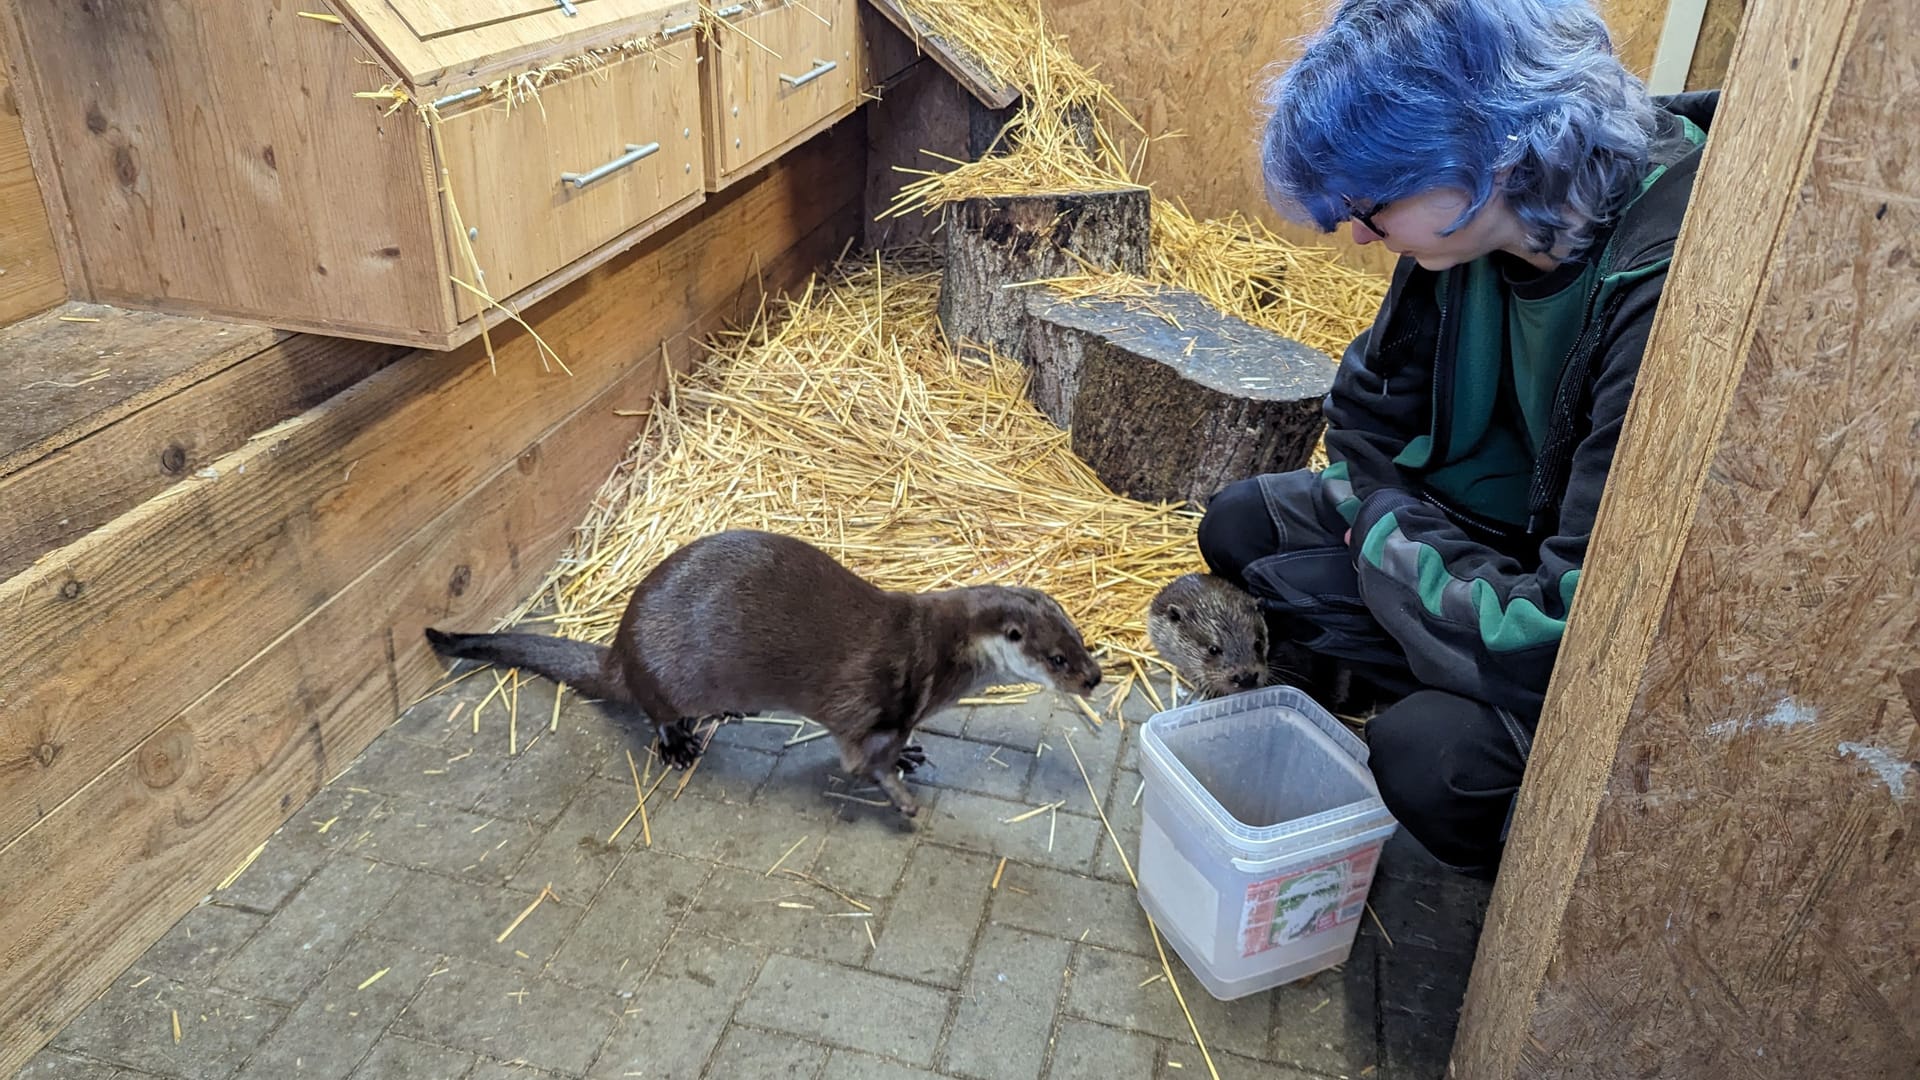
point(1349, 538)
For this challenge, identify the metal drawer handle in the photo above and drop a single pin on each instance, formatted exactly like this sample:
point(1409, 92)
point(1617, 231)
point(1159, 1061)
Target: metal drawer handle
point(634, 153)
point(820, 67)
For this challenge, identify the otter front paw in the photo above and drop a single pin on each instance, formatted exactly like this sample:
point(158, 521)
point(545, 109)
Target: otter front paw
point(912, 756)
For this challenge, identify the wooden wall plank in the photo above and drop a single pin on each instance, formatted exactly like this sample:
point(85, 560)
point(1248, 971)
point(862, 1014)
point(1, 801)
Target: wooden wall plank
point(201, 790)
point(65, 379)
point(1713, 50)
point(1713, 869)
point(1200, 71)
point(81, 485)
point(30, 279)
point(103, 624)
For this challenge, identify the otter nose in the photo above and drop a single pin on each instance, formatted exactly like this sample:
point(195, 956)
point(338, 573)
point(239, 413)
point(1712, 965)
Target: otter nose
point(1246, 680)
point(1093, 680)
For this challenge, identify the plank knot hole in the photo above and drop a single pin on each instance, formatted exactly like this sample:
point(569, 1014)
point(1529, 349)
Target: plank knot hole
point(72, 590)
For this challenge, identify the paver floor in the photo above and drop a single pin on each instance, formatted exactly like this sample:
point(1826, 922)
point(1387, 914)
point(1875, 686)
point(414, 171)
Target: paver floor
point(369, 939)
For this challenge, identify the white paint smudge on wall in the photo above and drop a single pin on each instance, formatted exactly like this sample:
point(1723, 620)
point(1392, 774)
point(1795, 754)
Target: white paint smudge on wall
point(1787, 714)
point(1892, 770)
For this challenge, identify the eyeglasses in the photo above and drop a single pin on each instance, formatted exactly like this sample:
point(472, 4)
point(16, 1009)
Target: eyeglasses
point(1365, 217)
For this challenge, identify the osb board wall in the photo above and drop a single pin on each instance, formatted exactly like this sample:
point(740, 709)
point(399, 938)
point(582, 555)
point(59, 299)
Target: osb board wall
point(1199, 71)
point(29, 267)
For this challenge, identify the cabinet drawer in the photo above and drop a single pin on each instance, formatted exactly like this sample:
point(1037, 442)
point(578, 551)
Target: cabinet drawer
point(542, 183)
point(808, 66)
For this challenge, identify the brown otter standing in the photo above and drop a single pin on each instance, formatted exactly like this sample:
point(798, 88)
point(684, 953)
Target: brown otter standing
point(1212, 632)
point(746, 622)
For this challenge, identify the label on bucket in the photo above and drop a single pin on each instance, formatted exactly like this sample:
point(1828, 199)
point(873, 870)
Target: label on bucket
point(1309, 900)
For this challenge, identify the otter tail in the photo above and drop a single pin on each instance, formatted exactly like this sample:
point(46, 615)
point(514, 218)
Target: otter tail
point(579, 664)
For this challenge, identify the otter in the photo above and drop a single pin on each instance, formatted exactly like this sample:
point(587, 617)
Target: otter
point(746, 622)
point(1212, 632)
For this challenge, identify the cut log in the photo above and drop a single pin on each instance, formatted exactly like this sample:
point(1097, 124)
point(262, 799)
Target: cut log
point(1171, 399)
point(996, 247)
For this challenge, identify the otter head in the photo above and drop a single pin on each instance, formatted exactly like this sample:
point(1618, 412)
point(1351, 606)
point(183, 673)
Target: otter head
point(1025, 634)
point(1212, 632)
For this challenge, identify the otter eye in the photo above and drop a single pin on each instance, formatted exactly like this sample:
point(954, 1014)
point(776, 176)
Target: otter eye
point(1057, 660)
point(1013, 633)
point(1213, 650)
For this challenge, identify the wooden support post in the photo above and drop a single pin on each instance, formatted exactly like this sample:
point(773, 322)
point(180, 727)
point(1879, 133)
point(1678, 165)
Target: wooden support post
point(1170, 398)
point(992, 244)
point(1714, 868)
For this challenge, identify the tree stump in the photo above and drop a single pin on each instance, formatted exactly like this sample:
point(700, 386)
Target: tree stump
point(994, 243)
point(1166, 412)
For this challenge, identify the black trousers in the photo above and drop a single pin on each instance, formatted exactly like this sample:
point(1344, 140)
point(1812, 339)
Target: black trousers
point(1447, 766)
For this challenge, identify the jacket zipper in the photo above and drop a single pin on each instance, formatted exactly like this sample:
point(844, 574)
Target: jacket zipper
point(1443, 374)
point(1505, 532)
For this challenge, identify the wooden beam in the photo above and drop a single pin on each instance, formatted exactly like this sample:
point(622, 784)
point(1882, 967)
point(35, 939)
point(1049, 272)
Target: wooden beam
point(118, 631)
point(199, 790)
point(959, 61)
point(1713, 870)
point(156, 440)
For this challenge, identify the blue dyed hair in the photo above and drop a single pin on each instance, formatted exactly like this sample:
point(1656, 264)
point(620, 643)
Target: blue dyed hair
point(1395, 97)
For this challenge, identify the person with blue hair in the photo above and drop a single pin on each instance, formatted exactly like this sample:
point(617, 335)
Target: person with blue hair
point(1532, 190)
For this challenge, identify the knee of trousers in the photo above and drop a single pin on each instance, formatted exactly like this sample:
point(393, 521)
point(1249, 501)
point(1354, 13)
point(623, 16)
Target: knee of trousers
point(1236, 528)
point(1447, 771)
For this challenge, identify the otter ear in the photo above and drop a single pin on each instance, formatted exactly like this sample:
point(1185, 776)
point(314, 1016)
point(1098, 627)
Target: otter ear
point(1174, 614)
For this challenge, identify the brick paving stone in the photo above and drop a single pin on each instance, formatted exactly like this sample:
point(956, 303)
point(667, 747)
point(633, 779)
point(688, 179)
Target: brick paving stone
point(672, 1026)
point(978, 823)
point(132, 1026)
point(448, 841)
point(201, 941)
point(396, 1057)
point(432, 720)
point(1006, 1007)
point(574, 855)
point(741, 836)
point(329, 822)
point(426, 772)
point(444, 916)
point(480, 1008)
point(1021, 727)
point(1423, 981)
point(343, 1016)
point(932, 920)
point(950, 721)
point(1088, 1051)
point(1443, 914)
point(750, 734)
point(500, 1070)
point(541, 779)
point(849, 1065)
point(1124, 815)
point(727, 773)
point(1414, 1047)
point(1327, 1022)
point(1072, 907)
point(55, 1065)
point(748, 1053)
point(794, 789)
point(1106, 987)
point(1240, 1068)
point(974, 766)
point(866, 850)
point(744, 906)
point(1055, 775)
point(299, 944)
point(628, 922)
point(844, 1007)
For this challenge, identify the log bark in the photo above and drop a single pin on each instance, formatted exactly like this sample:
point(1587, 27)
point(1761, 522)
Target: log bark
point(994, 243)
point(1171, 399)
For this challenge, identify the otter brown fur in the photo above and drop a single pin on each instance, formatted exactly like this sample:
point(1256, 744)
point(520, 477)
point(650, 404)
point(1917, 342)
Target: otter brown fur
point(1212, 632)
point(745, 622)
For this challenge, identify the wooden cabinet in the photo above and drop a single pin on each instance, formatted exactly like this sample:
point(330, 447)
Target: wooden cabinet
point(776, 72)
point(343, 166)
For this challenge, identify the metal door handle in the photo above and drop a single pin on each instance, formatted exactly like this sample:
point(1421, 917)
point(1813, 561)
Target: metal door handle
point(820, 67)
point(634, 153)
